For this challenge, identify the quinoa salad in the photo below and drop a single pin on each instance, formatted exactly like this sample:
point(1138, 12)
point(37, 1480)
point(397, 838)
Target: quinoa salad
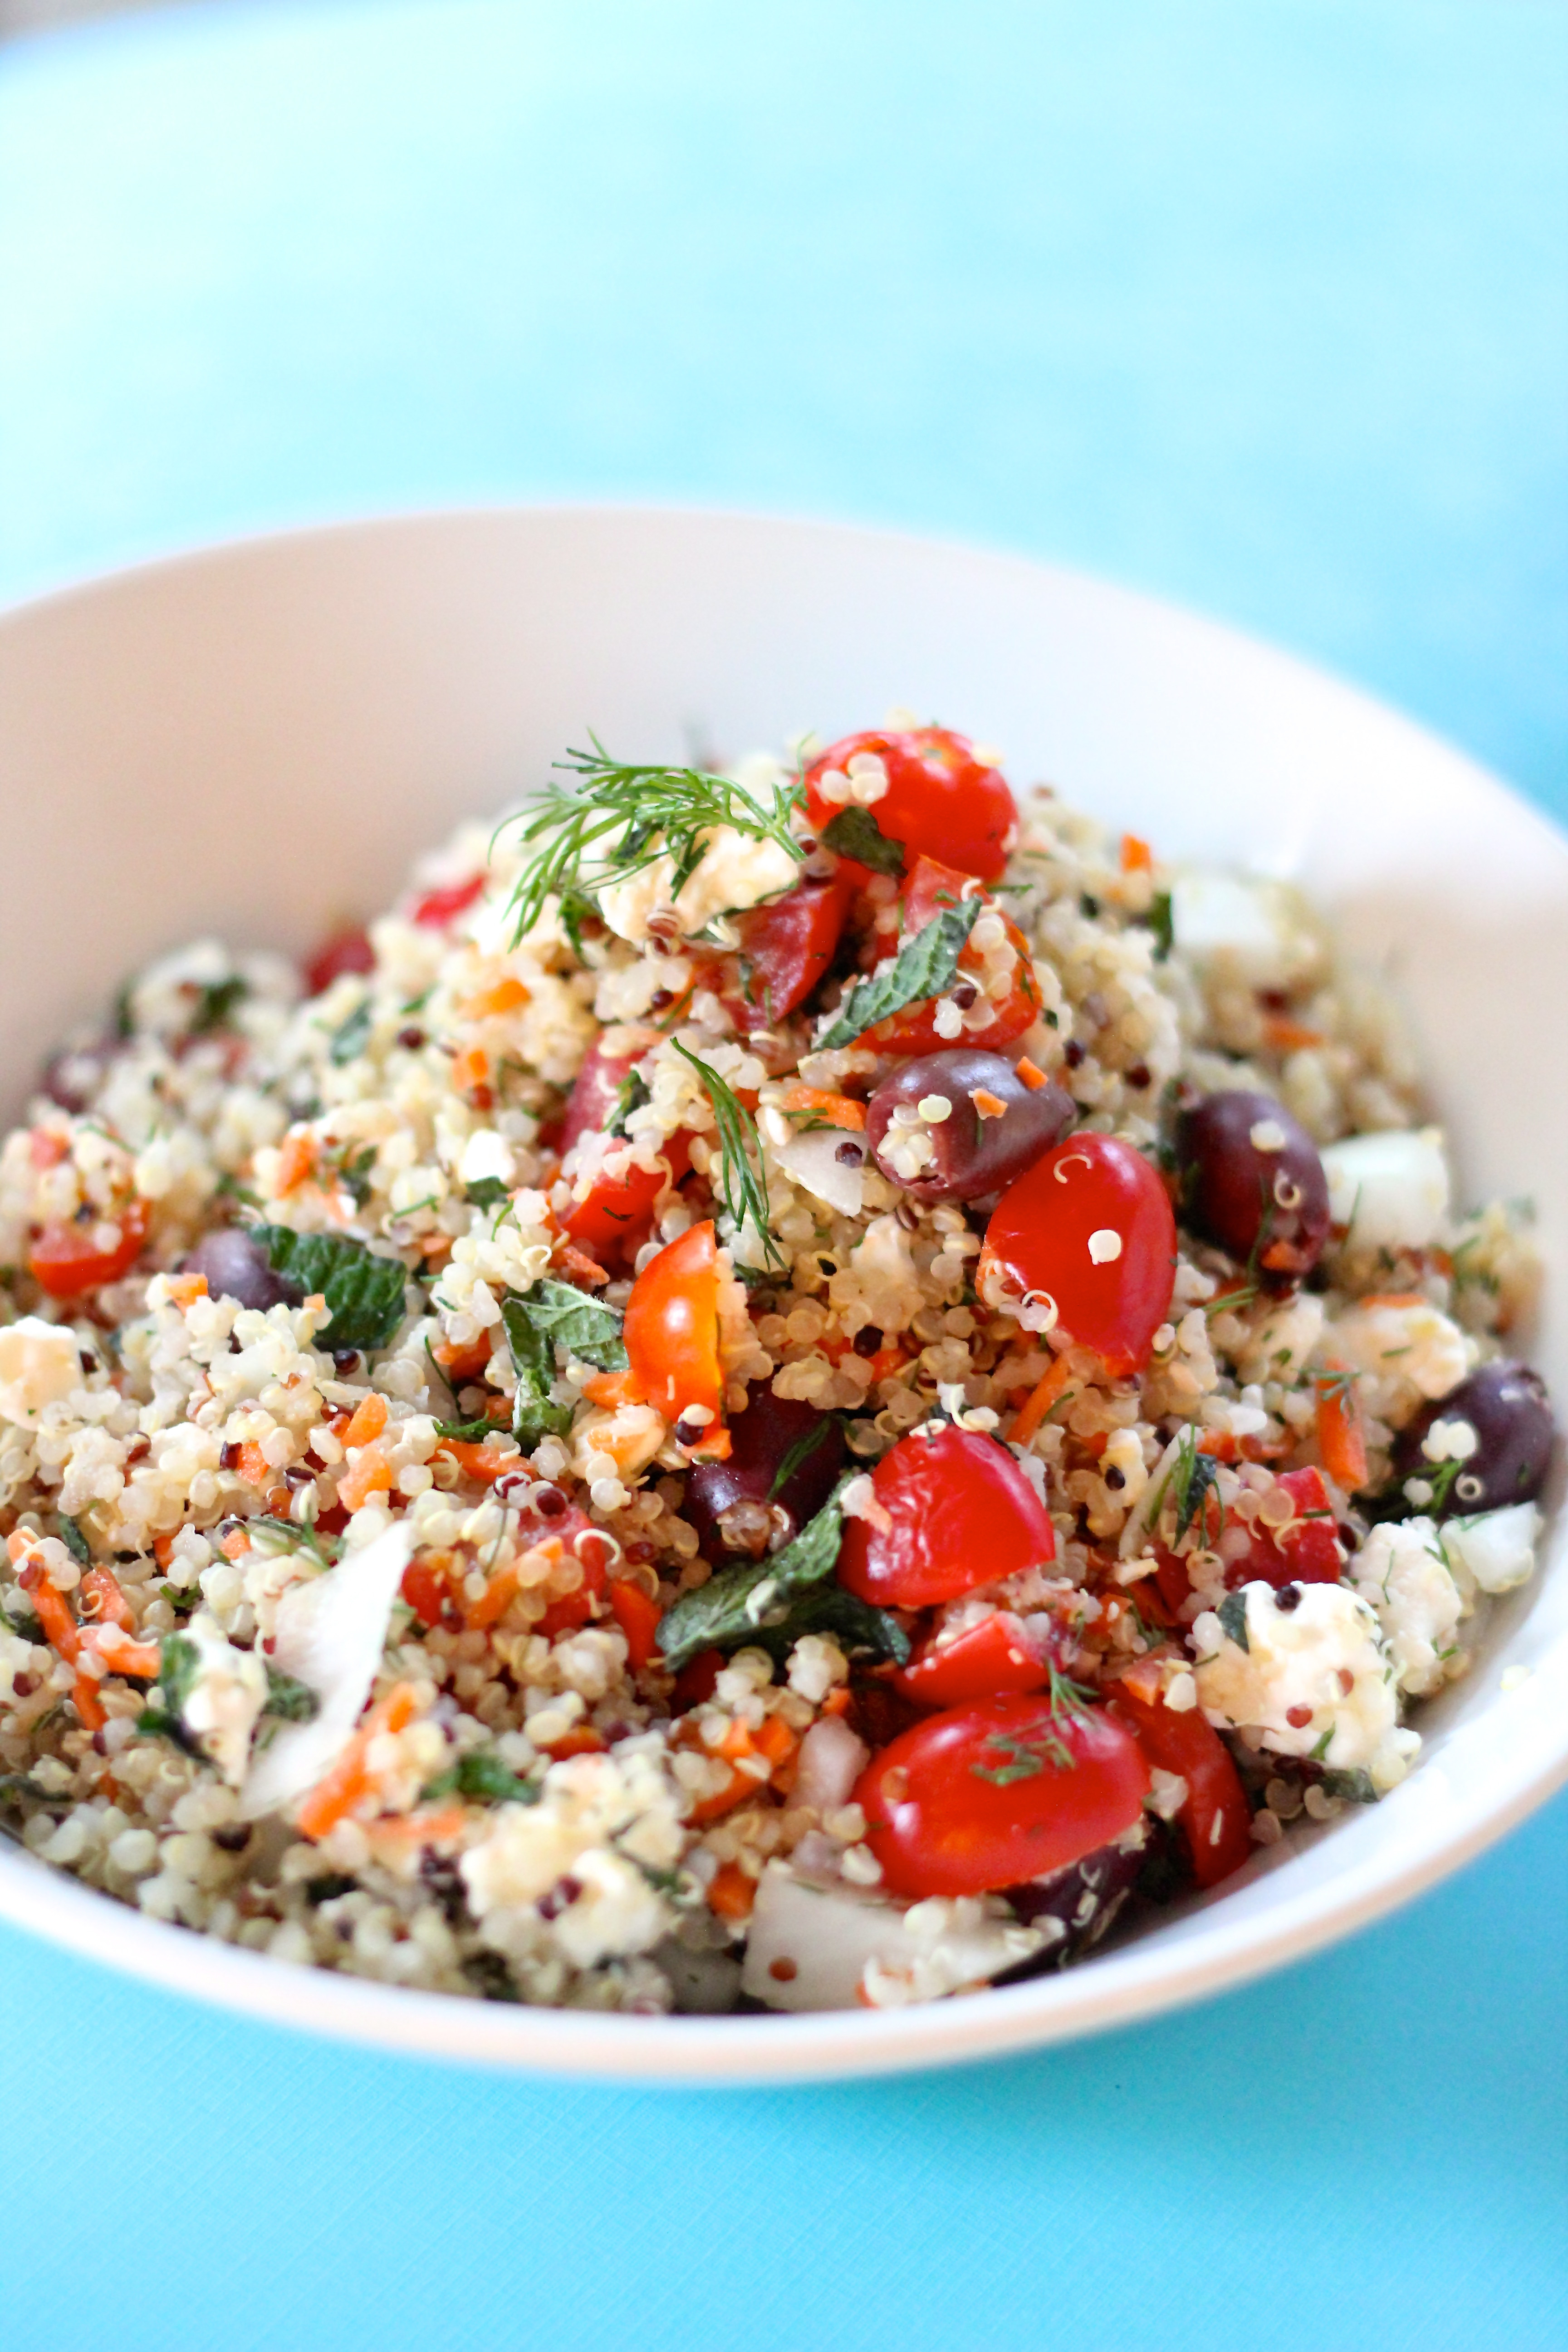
point(789, 1386)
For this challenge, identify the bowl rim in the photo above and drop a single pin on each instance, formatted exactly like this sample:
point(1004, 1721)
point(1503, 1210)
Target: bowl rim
point(1120, 1985)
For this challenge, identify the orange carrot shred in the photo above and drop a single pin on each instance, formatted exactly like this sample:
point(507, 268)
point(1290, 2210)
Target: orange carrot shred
point(1039, 1401)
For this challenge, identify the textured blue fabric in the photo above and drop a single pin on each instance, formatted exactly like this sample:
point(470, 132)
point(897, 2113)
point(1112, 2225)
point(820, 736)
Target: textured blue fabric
point(1262, 306)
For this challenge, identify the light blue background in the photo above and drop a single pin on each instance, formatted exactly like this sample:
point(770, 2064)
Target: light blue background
point(1261, 303)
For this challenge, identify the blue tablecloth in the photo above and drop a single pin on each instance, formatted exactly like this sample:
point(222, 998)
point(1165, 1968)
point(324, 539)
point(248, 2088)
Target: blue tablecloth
point(1261, 307)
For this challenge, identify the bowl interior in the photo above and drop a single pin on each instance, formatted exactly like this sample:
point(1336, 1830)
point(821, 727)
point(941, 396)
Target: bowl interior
point(255, 742)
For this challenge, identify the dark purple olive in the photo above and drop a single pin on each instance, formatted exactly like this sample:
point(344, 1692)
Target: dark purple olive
point(997, 1127)
point(238, 1267)
point(1252, 1183)
point(1082, 1899)
point(1506, 1404)
point(732, 1505)
point(73, 1076)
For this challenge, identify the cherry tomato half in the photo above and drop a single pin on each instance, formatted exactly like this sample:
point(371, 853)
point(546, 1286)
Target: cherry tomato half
point(1091, 1227)
point(672, 1327)
point(1001, 1654)
point(68, 1258)
point(344, 951)
point(439, 908)
point(939, 799)
point(613, 1216)
point(594, 1093)
point(960, 1513)
point(1216, 1815)
point(989, 1795)
point(1308, 1552)
point(929, 888)
point(786, 949)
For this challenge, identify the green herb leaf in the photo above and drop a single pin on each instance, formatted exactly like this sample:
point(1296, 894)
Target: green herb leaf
point(801, 1451)
point(631, 1095)
point(468, 1433)
point(479, 1774)
point(745, 1184)
point(1232, 1615)
point(571, 1319)
point(215, 1002)
point(535, 1416)
point(925, 966)
point(177, 1671)
point(365, 1293)
point(828, 1608)
point(1354, 1786)
point(609, 821)
point(1160, 922)
point(734, 1606)
point(74, 1540)
point(854, 833)
point(292, 1700)
point(269, 1533)
point(1197, 1476)
point(350, 1037)
point(487, 1192)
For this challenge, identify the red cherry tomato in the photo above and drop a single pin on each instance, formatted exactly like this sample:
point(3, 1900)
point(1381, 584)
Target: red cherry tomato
point(1216, 1815)
point(68, 1258)
point(960, 1512)
point(999, 1654)
point(439, 908)
point(1308, 1553)
point(344, 951)
point(786, 949)
point(989, 1795)
point(638, 1618)
point(575, 1608)
point(930, 888)
point(672, 1327)
point(613, 1216)
point(1091, 1227)
point(594, 1094)
point(429, 1593)
point(939, 799)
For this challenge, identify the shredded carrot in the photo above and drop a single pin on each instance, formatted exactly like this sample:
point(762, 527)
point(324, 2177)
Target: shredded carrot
point(1285, 1036)
point(638, 1618)
point(184, 1289)
point(235, 1543)
point(369, 1421)
point(122, 1656)
point(102, 1601)
point(349, 1781)
point(428, 1828)
point(462, 1363)
point(1341, 1439)
point(1039, 1401)
point(371, 1475)
point(1393, 1298)
point(731, 1892)
point(837, 1701)
point(1034, 1078)
point(1136, 856)
point(471, 1070)
point(581, 1740)
point(164, 1551)
point(53, 1614)
point(505, 995)
point(296, 1161)
point(988, 1105)
point(480, 1462)
point(838, 1110)
point(253, 1466)
point(580, 1266)
point(613, 1389)
point(89, 1706)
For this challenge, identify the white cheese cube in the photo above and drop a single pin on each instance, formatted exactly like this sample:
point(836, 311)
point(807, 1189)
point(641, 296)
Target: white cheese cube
point(39, 1366)
point(1401, 1571)
point(1390, 1191)
point(1496, 1548)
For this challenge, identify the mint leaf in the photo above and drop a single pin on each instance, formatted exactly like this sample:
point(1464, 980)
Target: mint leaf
point(534, 1414)
point(854, 833)
point(1232, 1615)
point(74, 1541)
point(350, 1037)
point(772, 1603)
point(215, 1002)
point(365, 1293)
point(481, 1775)
point(1355, 1785)
point(925, 966)
point(486, 1193)
point(293, 1701)
point(570, 1319)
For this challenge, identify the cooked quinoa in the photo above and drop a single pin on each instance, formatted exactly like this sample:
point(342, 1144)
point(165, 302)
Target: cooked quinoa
point(380, 1343)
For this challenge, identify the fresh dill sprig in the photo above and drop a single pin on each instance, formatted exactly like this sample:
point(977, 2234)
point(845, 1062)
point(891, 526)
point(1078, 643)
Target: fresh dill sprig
point(745, 1187)
point(607, 821)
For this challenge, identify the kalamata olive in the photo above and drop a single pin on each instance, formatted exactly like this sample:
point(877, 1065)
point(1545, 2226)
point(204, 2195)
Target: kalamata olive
point(238, 1267)
point(73, 1076)
point(1505, 1410)
point(994, 1126)
point(1083, 1899)
point(731, 1504)
point(1253, 1184)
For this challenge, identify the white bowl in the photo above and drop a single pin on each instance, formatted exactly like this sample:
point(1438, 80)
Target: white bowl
point(256, 740)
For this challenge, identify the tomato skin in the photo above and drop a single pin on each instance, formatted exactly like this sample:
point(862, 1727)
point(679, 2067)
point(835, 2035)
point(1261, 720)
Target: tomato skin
point(996, 1656)
point(1310, 1552)
point(672, 1327)
point(613, 1218)
point(1216, 1816)
point(940, 800)
point(429, 1593)
point(65, 1260)
point(962, 1513)
point(574, 1608)
point(443, 905)
point(349, 950)
point(786, 947)
point(594, 1093)
point(1088, 1186)
point(941, 1822)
